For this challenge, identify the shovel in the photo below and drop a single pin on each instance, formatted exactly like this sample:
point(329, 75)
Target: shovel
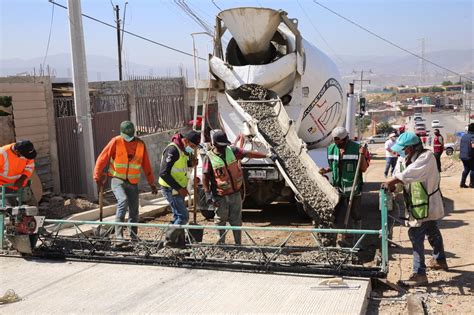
point(99, 232)
point(196, 234)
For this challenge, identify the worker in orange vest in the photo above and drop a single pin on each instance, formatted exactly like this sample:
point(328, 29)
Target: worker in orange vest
point(438, 147)
point(126, 156)
point(16, 165)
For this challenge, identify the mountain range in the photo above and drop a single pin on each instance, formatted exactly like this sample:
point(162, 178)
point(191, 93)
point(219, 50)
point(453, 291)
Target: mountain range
point(385, 70)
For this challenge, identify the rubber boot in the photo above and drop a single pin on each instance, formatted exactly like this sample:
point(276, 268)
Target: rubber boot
point(133, 233)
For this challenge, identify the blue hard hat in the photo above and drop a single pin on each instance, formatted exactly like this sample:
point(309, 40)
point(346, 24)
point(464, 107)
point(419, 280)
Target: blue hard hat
point(406, 139)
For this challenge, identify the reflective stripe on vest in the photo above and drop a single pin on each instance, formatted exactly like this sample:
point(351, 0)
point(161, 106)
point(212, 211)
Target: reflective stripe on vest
point(13, 166)
point(178, 170)
point(417, 199)
point(121, 167)
point(348, 166)
point(228, 174)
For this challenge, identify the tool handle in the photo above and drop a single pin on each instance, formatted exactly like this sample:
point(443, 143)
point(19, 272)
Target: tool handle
point(195, 196)
point(354, 184)
point(101, 202)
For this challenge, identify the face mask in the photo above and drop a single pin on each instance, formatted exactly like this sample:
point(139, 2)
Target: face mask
point(189, 150)
point(126, 137)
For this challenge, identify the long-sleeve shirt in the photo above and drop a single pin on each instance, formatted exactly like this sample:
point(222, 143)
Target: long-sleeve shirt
point(170, 156)
point(13, 167)
point(109, 152)
point(423, 168)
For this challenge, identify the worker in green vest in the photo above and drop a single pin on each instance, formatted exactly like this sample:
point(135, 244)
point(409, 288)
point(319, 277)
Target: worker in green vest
point(343, 156)
point(417, 173)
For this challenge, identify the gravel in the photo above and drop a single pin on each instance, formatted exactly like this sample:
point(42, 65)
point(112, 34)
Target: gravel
point(317, 205)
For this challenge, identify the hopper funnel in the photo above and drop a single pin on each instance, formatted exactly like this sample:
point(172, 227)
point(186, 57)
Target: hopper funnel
point(252, 29)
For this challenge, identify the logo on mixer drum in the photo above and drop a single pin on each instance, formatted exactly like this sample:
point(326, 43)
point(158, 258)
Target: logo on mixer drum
point(329, 114)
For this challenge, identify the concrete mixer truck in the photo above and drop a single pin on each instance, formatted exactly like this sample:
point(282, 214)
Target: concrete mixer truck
point(303, 98)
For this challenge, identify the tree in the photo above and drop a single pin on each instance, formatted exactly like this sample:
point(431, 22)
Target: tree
point(437, 89)
point(446, 83)
point(384, 127)
point(403, 108)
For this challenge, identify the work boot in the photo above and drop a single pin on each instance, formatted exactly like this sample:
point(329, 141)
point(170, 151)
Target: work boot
point(414, 280)
point(438, 264)
point(463, 186)
point(343, 241)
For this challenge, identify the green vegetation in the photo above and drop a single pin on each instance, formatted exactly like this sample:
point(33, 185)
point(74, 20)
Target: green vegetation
point(363, 122)
point(437, 89)
point(384, 127)
point(446, 83)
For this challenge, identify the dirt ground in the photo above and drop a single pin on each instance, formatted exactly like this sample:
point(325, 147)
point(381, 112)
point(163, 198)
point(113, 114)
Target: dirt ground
point(447, 292)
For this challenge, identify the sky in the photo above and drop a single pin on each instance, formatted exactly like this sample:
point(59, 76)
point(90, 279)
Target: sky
point(25, 27)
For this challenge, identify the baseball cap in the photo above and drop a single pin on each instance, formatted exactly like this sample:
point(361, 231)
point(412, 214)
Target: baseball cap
point(127, 127)
point(339, 132)
point(26, 149)
point(219, 138)
point(193, 136)
point(406, 139)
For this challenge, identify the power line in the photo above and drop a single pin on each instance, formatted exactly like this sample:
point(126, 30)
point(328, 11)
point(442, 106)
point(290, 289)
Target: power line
point(49, 36)
point(390, 42)
point(132, 34)
point(321, 35)
point(214, 3)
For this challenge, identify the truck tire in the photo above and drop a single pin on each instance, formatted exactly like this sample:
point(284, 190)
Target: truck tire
point(208, 214)
point(372, 142)
point(449, 151)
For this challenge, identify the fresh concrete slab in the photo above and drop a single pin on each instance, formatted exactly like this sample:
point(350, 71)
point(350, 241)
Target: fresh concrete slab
point(49, 287)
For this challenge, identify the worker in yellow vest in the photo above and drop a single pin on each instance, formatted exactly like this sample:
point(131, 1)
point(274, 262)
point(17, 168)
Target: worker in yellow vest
point(126, 156)
point(177, 157)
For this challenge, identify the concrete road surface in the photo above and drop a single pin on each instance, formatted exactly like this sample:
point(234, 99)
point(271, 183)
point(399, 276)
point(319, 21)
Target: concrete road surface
point(49, 287)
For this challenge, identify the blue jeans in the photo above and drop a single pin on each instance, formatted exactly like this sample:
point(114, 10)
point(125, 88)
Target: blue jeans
point(417, 238)
point(390, 162)
point(178, 207)
point(468, 167)
point(127, 196)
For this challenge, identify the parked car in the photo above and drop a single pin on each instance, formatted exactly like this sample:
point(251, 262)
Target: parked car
point(419, 124)
point(436, 124)
point(451, 147)
point(377, 139)
point(418, 118)
point(420, 131)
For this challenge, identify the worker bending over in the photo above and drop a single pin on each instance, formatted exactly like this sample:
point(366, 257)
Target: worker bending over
point(222, 180)
point(126, 156)
point(16, 166)
point(417, 171)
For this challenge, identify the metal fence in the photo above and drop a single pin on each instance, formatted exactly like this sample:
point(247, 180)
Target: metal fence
point(160, 113)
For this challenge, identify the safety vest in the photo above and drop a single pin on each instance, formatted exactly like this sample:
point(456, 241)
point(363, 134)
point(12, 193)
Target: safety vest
point(121, 167)
point(228, 174)
point(344, 171)
point(178, 171)
point(13, 166)
point(417, 199)
point(438, 145)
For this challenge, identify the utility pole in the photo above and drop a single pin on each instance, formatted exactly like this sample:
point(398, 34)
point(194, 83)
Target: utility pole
point(81, 98)
point(119, 41)
point(361, 112)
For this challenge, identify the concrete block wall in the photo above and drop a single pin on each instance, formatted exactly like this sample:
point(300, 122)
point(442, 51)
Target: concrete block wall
point(155, 144)
point(33, 118)
point(7, 134)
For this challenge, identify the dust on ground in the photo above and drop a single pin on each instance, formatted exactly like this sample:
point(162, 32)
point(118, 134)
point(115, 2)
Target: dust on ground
point(447, 292)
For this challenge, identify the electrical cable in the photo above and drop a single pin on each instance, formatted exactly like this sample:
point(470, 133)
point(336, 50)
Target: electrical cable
point(391, 43)
point(214, 3)
point(132, 34)
point(49, 36)
point(319, 33)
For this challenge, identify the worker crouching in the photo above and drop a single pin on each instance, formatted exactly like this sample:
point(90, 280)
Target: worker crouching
point(417, 171)
point(16, 166)
point(126, 156)
point(223, 180)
